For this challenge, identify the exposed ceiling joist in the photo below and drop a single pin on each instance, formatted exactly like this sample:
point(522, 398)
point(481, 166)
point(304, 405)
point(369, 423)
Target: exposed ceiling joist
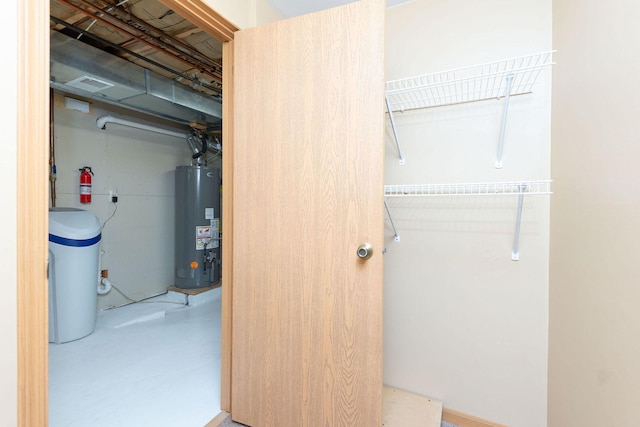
point(147, 33)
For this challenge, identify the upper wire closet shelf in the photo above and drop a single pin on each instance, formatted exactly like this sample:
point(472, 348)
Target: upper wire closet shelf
point(475, 83)
point(491, 80)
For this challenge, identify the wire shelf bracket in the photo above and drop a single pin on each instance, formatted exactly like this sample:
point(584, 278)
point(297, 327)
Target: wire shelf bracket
point(395, 131)
point(396, 237)
point(519, 188)
point(492, 80)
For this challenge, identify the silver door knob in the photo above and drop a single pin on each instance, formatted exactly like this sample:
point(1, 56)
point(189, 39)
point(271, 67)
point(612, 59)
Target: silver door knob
point(365, 251)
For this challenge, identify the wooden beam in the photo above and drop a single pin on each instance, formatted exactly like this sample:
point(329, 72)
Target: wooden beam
point(75, 19)
point(187, 33)
point(72, 20)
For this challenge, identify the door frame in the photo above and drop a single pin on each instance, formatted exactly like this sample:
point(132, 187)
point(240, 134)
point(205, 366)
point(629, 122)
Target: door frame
point(32, 205)
point(205, 18)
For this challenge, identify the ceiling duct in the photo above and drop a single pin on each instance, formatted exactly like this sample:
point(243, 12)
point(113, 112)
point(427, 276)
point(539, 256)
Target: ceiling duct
point(83, 70)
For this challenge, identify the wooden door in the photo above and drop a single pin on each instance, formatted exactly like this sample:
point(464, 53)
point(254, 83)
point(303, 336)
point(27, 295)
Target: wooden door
point(308, 190)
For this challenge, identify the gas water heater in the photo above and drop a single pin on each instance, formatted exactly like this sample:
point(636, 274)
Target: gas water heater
point(197, 237)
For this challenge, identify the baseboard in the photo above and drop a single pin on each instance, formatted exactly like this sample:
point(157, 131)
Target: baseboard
point(219, 419)
point(449, 415)
point(464, 420)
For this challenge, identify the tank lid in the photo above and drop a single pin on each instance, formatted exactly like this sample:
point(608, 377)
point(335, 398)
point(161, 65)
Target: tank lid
point(73, 223)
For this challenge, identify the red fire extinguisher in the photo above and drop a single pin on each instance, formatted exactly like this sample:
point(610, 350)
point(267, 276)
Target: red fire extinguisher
point(85, 184)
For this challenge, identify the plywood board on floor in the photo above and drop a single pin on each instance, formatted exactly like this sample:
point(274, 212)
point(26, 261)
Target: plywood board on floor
point(194, 291)
point(196, 298)
point(403, 409)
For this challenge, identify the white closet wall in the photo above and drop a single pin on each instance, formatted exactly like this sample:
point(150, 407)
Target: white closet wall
point(244, 13)
point(594, 270)
point(464, 323)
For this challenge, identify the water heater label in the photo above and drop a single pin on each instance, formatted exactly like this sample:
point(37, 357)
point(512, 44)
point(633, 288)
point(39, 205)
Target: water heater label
point(203, 236)
point(208, 213)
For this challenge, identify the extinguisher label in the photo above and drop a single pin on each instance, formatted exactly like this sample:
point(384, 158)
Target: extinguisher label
point(85, 188)
point(203, 236)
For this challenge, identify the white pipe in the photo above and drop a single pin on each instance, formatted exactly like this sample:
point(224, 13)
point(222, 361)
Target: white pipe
point(102, 124)
point(104, 286)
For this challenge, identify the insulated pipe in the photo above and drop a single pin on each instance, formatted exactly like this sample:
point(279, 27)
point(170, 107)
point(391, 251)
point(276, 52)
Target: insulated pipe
point(104, 286)
point(102, 123)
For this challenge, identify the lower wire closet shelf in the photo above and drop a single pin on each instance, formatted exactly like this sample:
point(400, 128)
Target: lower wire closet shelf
point(511, 188)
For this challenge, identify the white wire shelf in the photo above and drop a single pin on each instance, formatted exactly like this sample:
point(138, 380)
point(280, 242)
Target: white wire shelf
point(470, 189)
point(491, 80)
point(519, 188)
point(467, 84)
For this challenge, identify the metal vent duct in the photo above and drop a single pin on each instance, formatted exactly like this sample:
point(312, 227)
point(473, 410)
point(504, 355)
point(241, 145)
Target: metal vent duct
point(83, 70)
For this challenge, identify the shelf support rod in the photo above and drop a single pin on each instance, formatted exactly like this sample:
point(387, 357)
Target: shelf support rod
point(393, 128)
point(515, 254)
point(503, 127)
point(396, 238)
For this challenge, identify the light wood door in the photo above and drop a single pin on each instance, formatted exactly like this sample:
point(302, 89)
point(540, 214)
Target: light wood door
point(308, 190)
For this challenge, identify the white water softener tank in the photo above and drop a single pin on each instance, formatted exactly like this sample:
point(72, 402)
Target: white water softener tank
point(74, 250)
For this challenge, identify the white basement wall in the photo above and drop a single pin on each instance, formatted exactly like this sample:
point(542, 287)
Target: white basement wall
point(464, 323)
point(138, 241)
